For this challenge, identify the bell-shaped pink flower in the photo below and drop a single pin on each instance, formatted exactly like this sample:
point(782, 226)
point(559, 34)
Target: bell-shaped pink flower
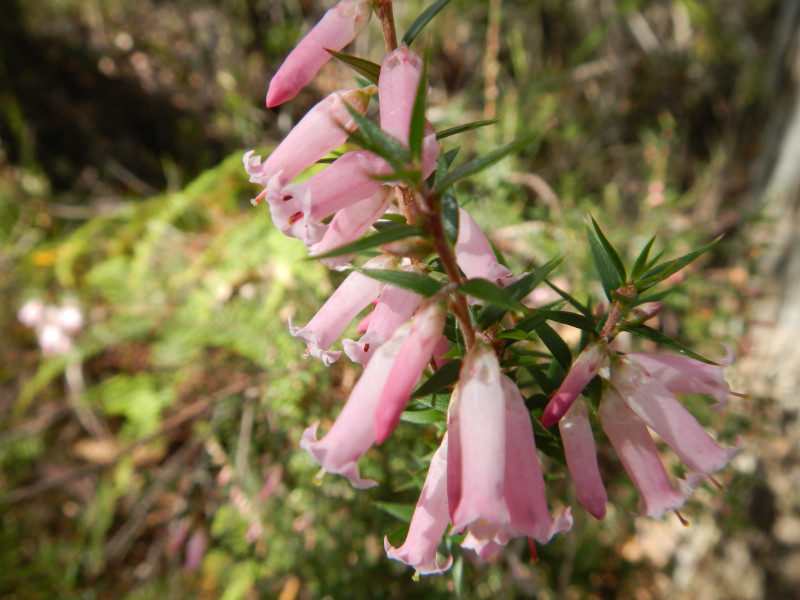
point(579, 449)
point(632, 442)
point(589, 362)
point(324, 128)
point(412, 358)
point(337, 28)
point(378, 398)
point(495, 484)
point(355, 293)
point(474, 253)
point(429, 522)
point(395, 307)
point(684, 375)
point(653, 403)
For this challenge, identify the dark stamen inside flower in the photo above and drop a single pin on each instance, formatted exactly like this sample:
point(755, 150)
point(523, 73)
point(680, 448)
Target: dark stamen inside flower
point(286, 197)
point(295, 217)
point(366, 347)
point(684, 522)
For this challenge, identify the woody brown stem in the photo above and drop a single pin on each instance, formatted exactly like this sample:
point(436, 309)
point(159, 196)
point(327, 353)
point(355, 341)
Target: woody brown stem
point(383, 9)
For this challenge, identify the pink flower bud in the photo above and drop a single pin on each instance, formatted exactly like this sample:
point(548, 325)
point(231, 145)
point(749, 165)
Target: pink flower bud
point(397, 88)
point(586, 366)
point(337, 28)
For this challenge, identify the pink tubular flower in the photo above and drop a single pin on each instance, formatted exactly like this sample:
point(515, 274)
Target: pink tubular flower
point(350, 298)
point(397, 88)
point(371, 411)
point(683, 375)
point(637, 451)
point(411, 360)
point(473, 252)
point(349, 224)
point(324, 128)
point(429, 522)
point(653, 403)
point(579, 448)
point(591, 360)
point(495, 486)
point(337, 28)
point(395, 307)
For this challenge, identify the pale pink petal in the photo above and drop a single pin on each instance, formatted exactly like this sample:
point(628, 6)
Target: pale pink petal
point(395, 307)
point(397, 88)
point(474, 253)
point(32, 313)
point(70, 318)
point(429, 522)
point(638, 453)
point(481, 431)
point(324, 128)
point(683, 375)
point(524, 491)
point(353, 432)
point(349, 224)
point(579, 448)
point(657, 407)
point(337, 28)
point(583, 370)
point(412, 358)
point(355, 293)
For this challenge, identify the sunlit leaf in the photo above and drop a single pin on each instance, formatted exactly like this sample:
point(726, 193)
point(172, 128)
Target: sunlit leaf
point(374, 240)
point(413, 282)
point(422, 20)
point(663, 339)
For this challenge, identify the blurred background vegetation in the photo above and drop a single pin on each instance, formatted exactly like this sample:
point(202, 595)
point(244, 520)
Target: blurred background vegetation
point(159, 458)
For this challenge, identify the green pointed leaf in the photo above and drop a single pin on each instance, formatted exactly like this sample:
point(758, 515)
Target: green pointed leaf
point(489, 292)
point(660, 272)
point(441, 380)
point(641, 261)
point(417, 128)
point(482, 162)
point(371, 137)
point(611, 251)
point(663, 339)
point(370, 70)
point(386, 235)
point(423, 417)
point(569, 318)
point(421, 21)
point(555, 344)
point(584, 310)
point(513, 334)
point(440, 135)
point(413, 282)
point(609, 276)
point(450, 215)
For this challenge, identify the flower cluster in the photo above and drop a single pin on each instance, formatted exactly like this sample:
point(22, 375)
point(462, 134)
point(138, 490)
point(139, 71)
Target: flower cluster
point(485, 482)
point(55, 326)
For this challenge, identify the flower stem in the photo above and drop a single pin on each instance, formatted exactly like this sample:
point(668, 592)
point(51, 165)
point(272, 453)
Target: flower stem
point(383, 8)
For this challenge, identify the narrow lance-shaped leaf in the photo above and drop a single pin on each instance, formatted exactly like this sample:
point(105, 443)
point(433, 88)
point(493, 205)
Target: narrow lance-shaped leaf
point(490, 293)
point(555, 344)
point(656, 336)
point(370, 70)
point(450, 215)
point(609, 276)
point(641, 261)
point(442, 378)
point(440, 135)
point(370, 137)
point(413, 282)
point(584, 310)
point(421, 21)
point(480, 163)
point(660, 272)
point(610, 251)
point(389, 234)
